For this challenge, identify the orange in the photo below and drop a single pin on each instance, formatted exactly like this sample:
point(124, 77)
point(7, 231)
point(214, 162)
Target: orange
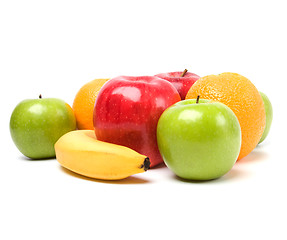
point(84, 102)
point(239, 94)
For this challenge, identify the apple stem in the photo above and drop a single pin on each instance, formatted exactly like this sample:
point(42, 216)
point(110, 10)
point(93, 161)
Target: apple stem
point(40, 96)
point(197, 99)
point(183, 73)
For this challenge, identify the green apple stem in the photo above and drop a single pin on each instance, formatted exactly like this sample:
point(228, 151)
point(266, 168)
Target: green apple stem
point(40, 96)
point(183, 73)
point(197, 99)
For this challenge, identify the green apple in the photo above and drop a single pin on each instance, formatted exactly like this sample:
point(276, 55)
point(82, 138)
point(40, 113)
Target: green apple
point(268, 114)
point(199, 140)
point(36, 125)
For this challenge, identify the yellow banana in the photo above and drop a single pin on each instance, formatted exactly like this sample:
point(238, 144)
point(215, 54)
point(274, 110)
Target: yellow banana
point(80, 152)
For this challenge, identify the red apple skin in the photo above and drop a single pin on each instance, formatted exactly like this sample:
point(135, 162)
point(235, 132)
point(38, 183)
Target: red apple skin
point(182, 84)
point(127, 110)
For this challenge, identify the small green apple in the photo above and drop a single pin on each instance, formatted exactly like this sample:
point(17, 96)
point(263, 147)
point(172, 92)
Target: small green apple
point(36, 125)
point(268, 114)
point(199, 140)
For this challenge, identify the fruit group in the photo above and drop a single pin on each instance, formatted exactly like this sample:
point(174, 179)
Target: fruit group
point(80, 152)
point(36, 125)
point(127, 110)
point(84, 103)
point(268, 114)
point(199, 141)
point(182, 81)
point(239, 94)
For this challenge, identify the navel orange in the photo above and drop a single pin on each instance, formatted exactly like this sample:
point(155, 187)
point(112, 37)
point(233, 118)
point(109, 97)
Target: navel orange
point(239, 94)
point(84, 102)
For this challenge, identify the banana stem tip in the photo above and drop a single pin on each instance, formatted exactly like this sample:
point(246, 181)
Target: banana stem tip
point(146, 164)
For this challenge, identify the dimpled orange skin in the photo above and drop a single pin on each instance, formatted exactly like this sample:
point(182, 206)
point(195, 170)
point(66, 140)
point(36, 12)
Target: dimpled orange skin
point(239, 94)
point(84, 102)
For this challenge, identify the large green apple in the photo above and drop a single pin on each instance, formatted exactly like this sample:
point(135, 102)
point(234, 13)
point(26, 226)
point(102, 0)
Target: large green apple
point(36, 125)
point(199, 140)
point(268, 114)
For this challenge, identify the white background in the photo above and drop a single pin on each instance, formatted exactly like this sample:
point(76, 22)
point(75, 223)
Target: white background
point(54, 47)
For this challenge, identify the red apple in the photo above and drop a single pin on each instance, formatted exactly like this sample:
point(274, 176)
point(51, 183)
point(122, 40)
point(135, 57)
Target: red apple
point(181, 83)
point(127, 110)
